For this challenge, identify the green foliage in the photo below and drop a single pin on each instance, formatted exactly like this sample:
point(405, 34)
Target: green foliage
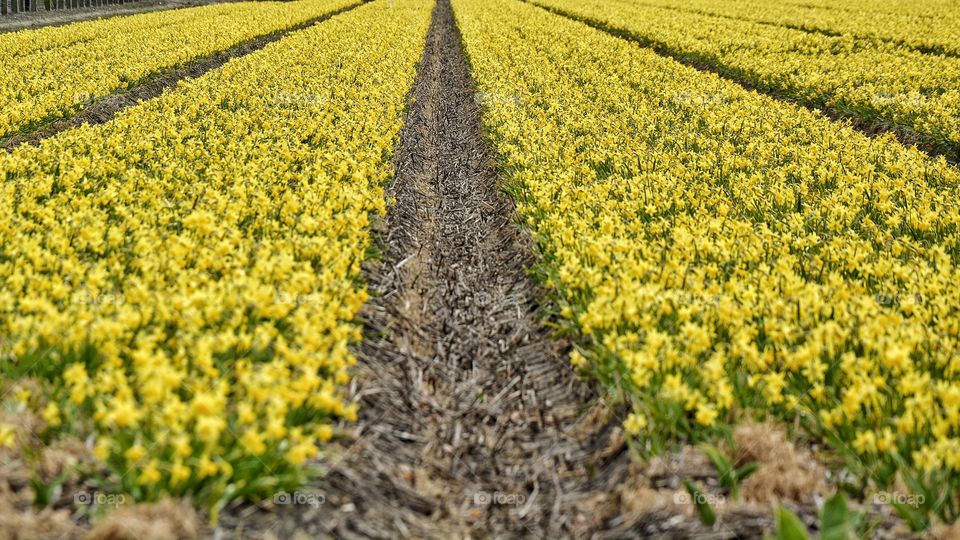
point(730, 476)
point(789, 526)
point(837, 521)
point(707, 516)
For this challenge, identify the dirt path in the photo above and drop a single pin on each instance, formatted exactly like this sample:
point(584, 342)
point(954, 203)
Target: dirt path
point(465, 398)
point(472, 424)
point(102, 110)
point(466, 404)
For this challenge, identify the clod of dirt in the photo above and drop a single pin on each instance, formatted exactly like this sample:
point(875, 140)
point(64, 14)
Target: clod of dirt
point(166, 520)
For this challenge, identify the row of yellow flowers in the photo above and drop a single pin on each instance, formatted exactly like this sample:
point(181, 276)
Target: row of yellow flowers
point(720, 252)
point(878, 81)
point(925, 25)
point(183, 280)
point(50, 72)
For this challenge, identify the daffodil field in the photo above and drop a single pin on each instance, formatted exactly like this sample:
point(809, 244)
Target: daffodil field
point(931, 26)
point(185, 277)
point(870, 79)
point(48, 73)
point(181, 285)
point(720, 253)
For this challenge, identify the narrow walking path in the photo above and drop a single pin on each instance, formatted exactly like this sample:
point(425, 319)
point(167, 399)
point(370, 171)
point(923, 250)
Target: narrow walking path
point(472, 422)
point(466, 402)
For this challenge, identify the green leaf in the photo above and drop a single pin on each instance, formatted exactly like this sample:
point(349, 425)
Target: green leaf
point(746, 470)
point(724, 468)
point(720, 461)
point(913, 481)
point(837, 522)
point(916, 519)
point(43, 492)
point(634, 451)
point(707, 515)
point(939, 502)
point(789, 526)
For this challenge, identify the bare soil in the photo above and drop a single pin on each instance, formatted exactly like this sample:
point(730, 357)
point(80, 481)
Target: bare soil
point(102, 110)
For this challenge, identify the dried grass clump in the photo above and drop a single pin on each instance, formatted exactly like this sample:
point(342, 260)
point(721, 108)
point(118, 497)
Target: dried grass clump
point(946, 532)
point(166, 520)
point(17, 523)
point(786, 472)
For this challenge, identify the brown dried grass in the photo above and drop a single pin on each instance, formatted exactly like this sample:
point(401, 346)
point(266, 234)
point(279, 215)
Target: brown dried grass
point(165, 520)
point(786, 473)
